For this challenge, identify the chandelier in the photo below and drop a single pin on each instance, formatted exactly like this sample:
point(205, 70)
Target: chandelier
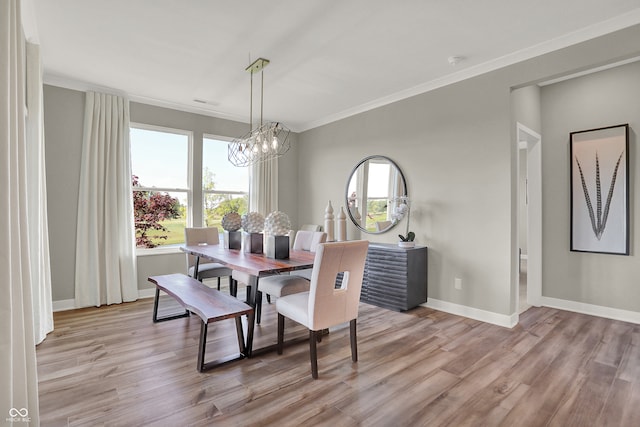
point(268, 140)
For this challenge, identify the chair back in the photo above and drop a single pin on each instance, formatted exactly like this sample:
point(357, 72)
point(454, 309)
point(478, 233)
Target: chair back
point(308, 240)
point(311, 227)
point(329, 306)
point(197, 235)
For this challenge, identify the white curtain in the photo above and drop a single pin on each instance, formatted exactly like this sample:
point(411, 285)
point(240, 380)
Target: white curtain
point(105, 244)
point(263, 187)
point(37, 199)
point(18, 373)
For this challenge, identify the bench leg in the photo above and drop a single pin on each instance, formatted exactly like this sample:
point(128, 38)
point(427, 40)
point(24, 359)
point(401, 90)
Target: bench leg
point(203, 346)
point(162, 319)
point(241, 344)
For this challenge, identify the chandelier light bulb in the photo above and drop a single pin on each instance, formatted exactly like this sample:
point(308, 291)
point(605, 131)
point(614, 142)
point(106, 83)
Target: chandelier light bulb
point(267, 141)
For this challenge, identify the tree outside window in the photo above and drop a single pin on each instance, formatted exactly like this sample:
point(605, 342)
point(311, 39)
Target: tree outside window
point(159, 162)
point(225, 187)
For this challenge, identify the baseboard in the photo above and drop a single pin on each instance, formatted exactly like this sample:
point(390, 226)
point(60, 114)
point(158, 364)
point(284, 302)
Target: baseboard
point(70, 304)
point(473, 313)
point(63, 305)
point(591, 309)
point(147, 293)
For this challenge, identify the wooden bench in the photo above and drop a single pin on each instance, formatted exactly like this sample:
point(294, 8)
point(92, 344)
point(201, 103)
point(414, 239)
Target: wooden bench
point(209, 304)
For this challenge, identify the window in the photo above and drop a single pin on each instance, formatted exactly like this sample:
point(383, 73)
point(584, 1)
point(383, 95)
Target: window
point(160, 168)
point(225, 188)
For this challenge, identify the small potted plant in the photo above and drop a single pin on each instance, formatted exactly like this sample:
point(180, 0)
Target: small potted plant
point(407, 241)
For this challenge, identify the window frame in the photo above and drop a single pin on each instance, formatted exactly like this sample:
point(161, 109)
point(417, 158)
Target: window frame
point(163, 249)
point(202, 166)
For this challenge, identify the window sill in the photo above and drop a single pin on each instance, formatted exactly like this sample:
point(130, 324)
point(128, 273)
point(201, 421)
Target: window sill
point(162, 250)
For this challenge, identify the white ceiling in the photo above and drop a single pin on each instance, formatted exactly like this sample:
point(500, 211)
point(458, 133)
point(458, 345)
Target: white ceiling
point(329, 58)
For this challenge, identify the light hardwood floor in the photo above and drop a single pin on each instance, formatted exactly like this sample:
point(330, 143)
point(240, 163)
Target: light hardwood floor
point(113, 366)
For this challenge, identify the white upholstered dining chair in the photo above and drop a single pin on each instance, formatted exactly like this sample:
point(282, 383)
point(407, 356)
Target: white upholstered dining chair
point(298, 281)
point(326, 305)
point(208, 270)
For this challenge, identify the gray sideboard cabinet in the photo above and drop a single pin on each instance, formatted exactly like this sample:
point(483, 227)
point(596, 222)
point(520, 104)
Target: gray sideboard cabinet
point(395, 277)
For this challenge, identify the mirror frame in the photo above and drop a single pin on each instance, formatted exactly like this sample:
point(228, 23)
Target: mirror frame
point(346, 192)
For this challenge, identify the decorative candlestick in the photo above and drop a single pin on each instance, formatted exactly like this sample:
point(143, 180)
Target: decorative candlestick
point(342, 226)
point(328, 222)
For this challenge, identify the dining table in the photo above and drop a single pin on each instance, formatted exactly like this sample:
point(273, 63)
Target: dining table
point(255, 264)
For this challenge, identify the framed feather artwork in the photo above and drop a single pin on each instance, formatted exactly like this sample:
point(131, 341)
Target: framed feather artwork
point(600, 190)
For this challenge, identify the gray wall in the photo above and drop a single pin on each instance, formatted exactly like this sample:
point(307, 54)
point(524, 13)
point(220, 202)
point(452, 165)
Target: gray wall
point(453, 145)
point(64, 115)
point(606, 98)
point(63, 121)
point(456, 146)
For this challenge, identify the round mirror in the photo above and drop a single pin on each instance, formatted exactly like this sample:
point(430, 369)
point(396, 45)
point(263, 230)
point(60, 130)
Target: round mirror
point(376, 189)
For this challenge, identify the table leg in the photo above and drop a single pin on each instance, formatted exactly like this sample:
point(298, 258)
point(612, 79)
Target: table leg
point(195, 267)
point(251, 321)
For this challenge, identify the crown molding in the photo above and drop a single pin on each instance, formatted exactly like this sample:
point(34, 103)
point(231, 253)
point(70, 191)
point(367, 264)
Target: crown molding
point(597, 30)
point(83, 86)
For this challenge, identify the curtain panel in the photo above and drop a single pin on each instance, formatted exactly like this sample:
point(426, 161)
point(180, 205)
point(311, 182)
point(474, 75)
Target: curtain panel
point(105, 243)
point(37, 199)
point(263, 187)
point(18, 373)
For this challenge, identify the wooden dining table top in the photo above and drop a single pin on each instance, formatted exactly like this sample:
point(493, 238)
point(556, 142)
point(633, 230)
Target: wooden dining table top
point(253, 264)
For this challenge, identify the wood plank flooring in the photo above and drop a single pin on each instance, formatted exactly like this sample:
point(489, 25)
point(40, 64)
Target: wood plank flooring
point(113, 366)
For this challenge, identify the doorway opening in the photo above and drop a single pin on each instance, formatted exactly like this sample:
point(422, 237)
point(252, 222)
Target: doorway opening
point(529, 291)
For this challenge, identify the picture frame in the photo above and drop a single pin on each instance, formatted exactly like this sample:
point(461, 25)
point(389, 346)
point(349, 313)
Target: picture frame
point(600, 190)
